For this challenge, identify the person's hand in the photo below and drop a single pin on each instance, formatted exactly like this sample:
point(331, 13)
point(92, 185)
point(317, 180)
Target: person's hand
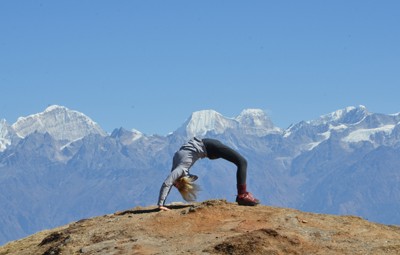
point(163, 208)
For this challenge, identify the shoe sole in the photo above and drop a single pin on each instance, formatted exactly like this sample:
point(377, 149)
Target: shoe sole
point(248, 203)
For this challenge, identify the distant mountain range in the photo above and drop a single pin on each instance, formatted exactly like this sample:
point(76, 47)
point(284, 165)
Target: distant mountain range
point(59, 166)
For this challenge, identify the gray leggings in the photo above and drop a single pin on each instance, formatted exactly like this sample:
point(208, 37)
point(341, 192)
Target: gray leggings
point(215, 149)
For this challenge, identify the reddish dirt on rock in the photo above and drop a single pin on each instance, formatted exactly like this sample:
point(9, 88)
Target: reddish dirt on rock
point(213, 227)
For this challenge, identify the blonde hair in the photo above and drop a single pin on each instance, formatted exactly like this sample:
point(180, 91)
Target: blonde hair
point(187, 188)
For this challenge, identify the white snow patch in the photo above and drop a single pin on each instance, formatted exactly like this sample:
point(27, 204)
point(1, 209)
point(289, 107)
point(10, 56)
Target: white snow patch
point(311, 146)
point(4, 141)
point(136, 134)
point(326, 135)
point(287, 134)
point(365, 134)
point(257, 116)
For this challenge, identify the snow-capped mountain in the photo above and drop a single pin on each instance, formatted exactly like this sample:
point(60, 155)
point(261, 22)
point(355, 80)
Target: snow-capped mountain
point(249, 121)
point(350, 115)
point(352, 125)
point(127, 137)
point(7, 135)
point(60, 122)
point(256, 122)
point(59, 166)
point(201, 122)
point(4, 135)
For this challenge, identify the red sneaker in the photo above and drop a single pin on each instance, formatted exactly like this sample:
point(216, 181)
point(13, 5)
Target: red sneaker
point(247, 199)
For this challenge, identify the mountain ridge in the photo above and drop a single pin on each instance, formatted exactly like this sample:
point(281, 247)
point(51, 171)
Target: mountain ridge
point(199, 123)
point(250, 121)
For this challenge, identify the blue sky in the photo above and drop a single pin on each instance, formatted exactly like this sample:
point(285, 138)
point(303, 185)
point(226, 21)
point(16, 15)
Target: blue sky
point(149, 64)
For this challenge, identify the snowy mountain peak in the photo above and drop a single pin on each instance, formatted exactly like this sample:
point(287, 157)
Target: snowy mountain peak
point(255, 117)
point(252, 116)
point(204, 121)
point(348, 115)
point(59, 122)
point(249, 122)
point(256, 121)
point(55, 108)
point(127, 137)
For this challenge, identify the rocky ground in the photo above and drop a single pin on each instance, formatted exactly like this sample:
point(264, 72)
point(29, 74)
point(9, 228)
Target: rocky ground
point(213, 227)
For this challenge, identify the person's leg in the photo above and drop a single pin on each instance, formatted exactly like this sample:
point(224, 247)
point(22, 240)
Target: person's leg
point(215, 149)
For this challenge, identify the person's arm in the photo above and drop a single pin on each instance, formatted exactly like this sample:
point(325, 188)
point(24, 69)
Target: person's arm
point(164, 191)
point(167, 185)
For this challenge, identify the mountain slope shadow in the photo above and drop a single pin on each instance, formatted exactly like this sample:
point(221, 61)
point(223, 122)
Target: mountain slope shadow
point(139, 210)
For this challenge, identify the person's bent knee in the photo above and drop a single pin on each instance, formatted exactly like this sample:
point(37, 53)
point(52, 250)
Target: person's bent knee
point(242, 162)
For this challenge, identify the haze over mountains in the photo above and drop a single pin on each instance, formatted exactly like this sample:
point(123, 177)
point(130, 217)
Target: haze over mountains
point(59, 166)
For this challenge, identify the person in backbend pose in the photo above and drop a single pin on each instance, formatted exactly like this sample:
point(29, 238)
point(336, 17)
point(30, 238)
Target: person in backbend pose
point(187, 155)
